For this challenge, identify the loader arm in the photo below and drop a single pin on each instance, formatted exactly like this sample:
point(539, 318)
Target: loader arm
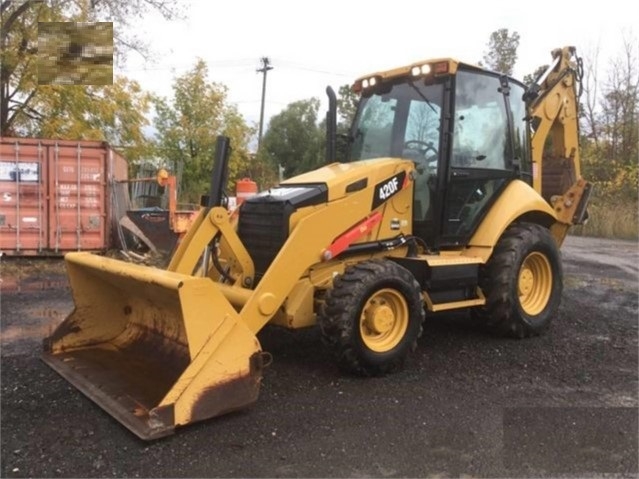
point(205, 229)
point(304, 248)
point(311, 239)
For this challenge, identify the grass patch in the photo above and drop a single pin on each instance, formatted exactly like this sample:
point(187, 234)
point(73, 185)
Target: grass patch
point(610, 219)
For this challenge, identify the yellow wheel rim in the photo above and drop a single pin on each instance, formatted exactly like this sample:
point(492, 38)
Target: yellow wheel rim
point(384, 320)
point(535, 283)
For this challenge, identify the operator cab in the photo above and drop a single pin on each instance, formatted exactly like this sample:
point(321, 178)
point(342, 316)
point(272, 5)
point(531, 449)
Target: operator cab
point(463, 127)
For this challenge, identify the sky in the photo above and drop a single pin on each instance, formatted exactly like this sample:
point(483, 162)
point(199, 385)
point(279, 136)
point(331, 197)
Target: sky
point(312, 44)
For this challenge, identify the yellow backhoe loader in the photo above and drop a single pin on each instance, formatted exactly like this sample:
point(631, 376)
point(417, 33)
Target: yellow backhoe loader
point(458, 189)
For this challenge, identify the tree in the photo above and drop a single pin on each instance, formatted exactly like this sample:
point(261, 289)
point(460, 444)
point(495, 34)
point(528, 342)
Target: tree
point(187, 128)
point(531, 78)
point(114, 113)
point(589, 107)
point(620, 118)
point(19, 45)
point(347, 101)
point(294, 140)
point(18, 74)
point(262, 171)
point(502, 51)
point(346, 107)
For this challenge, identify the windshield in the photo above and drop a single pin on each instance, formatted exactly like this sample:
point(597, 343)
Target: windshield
point(403, 121)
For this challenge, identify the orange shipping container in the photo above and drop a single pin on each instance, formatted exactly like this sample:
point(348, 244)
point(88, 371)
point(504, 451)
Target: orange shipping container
point(55, 196)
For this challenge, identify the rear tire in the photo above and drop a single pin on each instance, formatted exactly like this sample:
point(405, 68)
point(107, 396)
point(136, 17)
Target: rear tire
point(522, 282)
point(372, 317)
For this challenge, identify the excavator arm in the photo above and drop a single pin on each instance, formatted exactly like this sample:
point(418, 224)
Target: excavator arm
point(552, 104)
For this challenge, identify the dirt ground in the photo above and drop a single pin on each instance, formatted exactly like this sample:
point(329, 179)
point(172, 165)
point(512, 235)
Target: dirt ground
point(467, 405)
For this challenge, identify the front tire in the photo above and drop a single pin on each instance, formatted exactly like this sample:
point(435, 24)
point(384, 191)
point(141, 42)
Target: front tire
point(522, 282)
point(372, 317)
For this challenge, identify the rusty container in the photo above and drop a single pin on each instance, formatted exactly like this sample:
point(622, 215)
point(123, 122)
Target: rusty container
point(55, 196)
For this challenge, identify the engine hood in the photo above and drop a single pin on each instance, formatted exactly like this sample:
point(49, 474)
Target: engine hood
point(344, 178)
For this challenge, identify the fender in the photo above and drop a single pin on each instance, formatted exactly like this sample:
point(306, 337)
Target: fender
point(517, 199)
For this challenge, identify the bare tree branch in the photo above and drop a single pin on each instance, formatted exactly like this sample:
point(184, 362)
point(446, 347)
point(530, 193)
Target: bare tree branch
point(591, 89)
point(6, 26)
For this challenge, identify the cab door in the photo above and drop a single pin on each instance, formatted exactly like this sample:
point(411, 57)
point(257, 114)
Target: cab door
point(480, 160)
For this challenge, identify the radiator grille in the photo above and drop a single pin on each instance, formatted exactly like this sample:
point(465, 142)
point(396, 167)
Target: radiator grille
point(263, 229)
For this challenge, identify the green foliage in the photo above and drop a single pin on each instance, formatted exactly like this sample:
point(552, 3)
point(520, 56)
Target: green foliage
point(620, 118)
point(347, 102)
point(293, 139)
point(610, 152)
point(616, 179)
point(19, 91)
point(502, 51)
point(263, 171)
point(188, 126)
point(114, 113)
point(18, 68)
point(530, 78)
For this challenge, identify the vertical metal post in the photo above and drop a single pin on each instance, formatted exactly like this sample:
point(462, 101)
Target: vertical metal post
point(331, 126)
point(41, 230)
point(220, 171)
point(265, 68)
point(56, 197)
point(110, 218)
point(219, 176)
point(16, 147)
point(78, 228)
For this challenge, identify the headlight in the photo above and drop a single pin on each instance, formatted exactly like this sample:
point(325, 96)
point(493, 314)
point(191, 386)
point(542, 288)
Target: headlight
point(369, 82)
point(418, 70)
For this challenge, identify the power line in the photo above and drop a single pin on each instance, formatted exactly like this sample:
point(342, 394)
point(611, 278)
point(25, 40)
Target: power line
point(298, 66)
point(230, 63)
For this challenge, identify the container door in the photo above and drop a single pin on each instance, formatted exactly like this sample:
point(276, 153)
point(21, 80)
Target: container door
point(77, 181)
point(23, 219)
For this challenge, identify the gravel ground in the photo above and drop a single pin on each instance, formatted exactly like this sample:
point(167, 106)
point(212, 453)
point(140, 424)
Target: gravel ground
point(467, 404)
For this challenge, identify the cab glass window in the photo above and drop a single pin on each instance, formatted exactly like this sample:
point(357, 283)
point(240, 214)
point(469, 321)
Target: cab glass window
point(520, 126)
point(375, 128)
point(480, 136)
point(400, 119)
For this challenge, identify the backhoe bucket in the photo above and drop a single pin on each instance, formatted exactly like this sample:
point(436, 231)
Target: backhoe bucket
point(155, 349)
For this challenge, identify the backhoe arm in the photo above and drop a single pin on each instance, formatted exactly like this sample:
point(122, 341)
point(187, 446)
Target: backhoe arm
point(552, 104)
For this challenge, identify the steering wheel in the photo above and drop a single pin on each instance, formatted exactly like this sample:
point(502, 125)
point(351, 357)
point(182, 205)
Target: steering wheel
point(422, 147)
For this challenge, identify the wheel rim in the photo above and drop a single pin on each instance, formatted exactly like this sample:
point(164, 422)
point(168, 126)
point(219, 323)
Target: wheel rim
point(535, 283)
point(384, 320)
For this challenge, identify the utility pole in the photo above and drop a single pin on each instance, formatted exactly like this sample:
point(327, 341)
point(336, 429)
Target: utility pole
point(266, 66)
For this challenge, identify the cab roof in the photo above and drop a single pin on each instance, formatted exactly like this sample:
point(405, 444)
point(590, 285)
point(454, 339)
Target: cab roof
point(435, 66)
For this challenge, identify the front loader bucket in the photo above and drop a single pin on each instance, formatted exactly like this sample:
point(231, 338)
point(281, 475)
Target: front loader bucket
point(155, 349)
